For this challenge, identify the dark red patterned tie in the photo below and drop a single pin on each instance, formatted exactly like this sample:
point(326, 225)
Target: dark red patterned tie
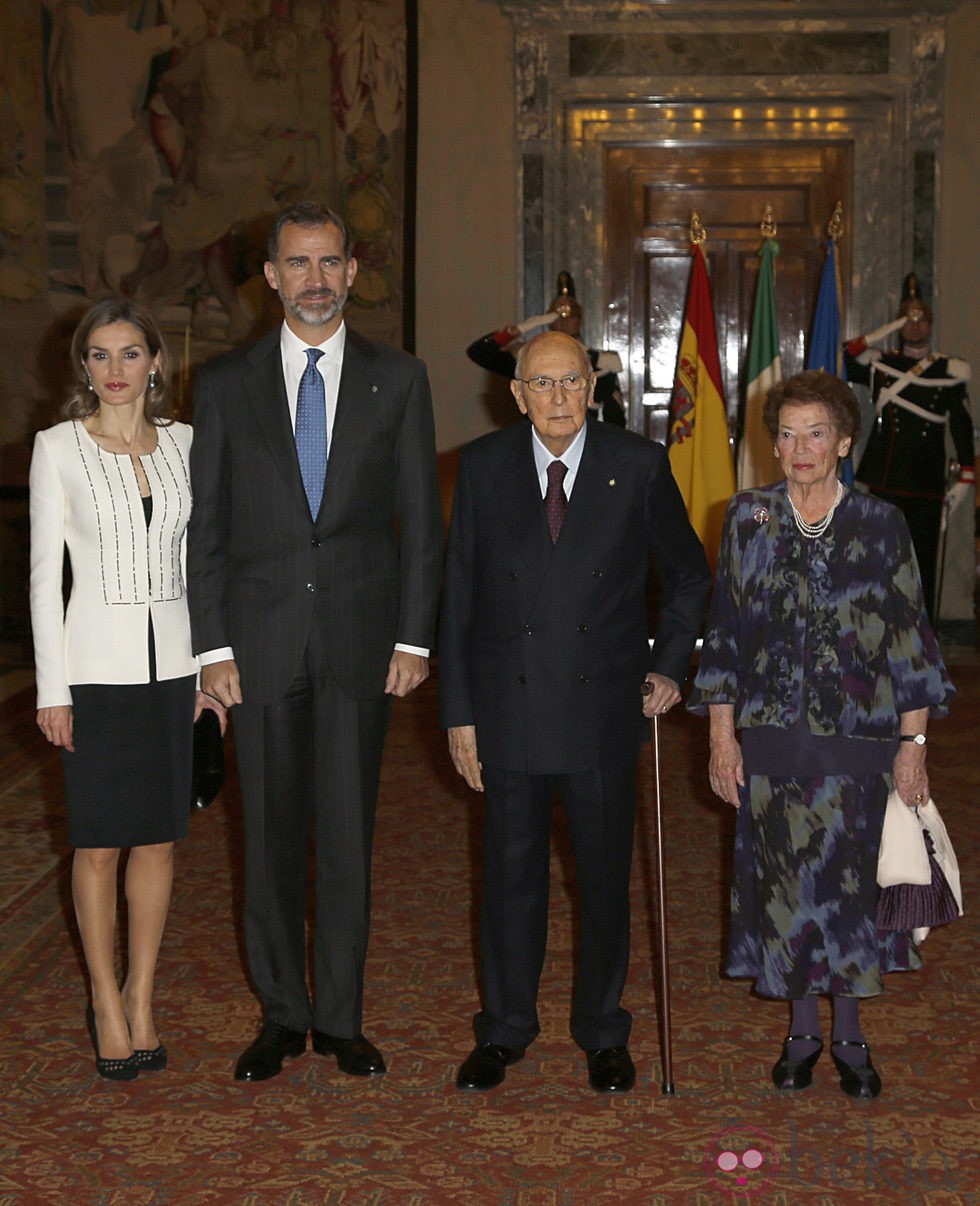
point(555, 501)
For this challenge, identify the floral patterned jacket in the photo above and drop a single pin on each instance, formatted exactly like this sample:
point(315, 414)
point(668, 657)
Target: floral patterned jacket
point(830, 631)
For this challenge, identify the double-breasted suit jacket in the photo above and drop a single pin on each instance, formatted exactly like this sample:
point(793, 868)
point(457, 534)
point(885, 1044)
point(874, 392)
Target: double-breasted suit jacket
point(260, 567)
point(544, 648)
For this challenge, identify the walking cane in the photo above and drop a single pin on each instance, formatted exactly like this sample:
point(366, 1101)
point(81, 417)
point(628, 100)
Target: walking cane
point(666, 1055)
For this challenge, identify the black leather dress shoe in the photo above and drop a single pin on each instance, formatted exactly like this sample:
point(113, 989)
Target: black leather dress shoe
point(263, 1058)
point(790, 1074)
point(154, 1060)
point(862, 1082)
point(355, 1056)
point(611, 1070)
point(486, 1066)
point(110, 1069)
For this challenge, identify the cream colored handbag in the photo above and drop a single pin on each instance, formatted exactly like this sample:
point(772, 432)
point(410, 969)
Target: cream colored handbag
point(903, 857)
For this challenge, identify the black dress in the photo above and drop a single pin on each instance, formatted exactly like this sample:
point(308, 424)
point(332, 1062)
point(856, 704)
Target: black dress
point(128, 783)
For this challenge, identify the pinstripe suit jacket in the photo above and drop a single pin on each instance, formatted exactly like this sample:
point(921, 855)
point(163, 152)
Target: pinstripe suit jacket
point(261, 570)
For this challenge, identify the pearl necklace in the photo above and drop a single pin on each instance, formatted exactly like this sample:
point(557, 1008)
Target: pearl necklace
point(812, 530)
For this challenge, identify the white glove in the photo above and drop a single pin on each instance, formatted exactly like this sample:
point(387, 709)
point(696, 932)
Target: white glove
point(536, 320)
point(885, 331)
point(609, 362)
point(956, 495)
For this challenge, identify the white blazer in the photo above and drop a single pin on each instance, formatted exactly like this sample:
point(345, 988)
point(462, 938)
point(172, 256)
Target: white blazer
point(122, 572)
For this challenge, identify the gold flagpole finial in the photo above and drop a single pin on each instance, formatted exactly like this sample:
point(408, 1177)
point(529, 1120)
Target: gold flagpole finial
point(835, 226)
point(698, 232)
point(767, 227)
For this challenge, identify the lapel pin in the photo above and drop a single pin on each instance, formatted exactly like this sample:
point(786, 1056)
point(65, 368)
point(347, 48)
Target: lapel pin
point(761, 515)
point(612, 481)
point(374, 389)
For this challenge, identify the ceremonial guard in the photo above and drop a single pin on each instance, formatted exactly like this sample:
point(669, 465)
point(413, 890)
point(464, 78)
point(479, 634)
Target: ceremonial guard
point(497, 351)
point(917, 395)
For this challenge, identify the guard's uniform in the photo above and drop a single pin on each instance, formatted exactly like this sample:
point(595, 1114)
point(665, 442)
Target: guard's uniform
point(905, 459)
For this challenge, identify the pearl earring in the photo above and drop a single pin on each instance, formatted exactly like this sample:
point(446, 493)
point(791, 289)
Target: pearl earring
point(153, 378)
point(90, 385)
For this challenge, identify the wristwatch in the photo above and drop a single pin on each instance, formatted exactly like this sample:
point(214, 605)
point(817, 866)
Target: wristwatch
point(918, 738)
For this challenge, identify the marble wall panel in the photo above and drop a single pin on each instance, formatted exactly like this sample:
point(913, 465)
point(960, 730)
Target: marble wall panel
point(754, 53)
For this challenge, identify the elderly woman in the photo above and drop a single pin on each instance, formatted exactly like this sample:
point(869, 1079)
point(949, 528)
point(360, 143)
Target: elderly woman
point(819, 651)
point(115, 672)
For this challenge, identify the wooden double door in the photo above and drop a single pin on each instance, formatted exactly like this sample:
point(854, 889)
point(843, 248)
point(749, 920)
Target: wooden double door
point(651, 192)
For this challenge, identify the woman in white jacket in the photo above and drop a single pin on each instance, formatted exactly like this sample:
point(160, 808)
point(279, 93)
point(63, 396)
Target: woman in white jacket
point(115, 671)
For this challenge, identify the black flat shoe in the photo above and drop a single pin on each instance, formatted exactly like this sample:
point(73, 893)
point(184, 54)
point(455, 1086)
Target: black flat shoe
point(791, 1074)
point(611, 1070)
point(110, 1069)
point(151, 1061)
point(862, 1083)
point(263, 1058)
point(486, 1066)
point(356, 1056)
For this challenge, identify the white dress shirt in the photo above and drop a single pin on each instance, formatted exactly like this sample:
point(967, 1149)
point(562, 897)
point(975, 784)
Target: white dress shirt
point(570, 458)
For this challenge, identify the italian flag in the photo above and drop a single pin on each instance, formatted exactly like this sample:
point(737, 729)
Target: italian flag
point(756, 465)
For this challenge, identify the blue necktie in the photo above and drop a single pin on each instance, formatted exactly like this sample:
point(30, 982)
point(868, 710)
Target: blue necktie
point(311, 430)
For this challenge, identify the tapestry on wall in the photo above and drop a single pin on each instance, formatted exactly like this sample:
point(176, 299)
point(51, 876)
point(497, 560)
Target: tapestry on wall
point(146, 146)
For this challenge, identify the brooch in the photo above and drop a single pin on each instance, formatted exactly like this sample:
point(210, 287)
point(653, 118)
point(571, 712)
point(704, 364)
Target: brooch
point(761, 515)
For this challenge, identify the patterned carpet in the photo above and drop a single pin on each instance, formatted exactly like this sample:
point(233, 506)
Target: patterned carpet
point(193, 1136)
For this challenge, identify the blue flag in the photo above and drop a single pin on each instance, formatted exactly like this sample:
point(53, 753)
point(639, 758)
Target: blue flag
point(824, 351)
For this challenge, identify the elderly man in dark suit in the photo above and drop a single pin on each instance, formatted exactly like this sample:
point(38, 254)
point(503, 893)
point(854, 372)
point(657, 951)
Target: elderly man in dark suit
point(314, 562)
point(543, 658)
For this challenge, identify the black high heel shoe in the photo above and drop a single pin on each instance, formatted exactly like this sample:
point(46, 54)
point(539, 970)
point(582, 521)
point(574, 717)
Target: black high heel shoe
point(151, 1061)
point(791, 1074)
point(862, 1083)
point(110, 1069)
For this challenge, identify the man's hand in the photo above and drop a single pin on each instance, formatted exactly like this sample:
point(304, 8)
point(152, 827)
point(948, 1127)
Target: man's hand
point(220, 681)
point(203, 702)
point(405, 672)
point(462, 750)
point(57, 725)
point(659, 694)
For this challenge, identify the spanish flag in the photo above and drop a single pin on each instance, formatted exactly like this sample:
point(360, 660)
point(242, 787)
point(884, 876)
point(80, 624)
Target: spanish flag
point(698, 447)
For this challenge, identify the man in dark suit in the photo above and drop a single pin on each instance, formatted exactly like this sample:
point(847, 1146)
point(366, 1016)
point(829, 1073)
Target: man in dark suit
point(543, 658)
point(314, 561)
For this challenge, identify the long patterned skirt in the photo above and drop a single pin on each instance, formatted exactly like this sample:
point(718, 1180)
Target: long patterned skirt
point(804, 888)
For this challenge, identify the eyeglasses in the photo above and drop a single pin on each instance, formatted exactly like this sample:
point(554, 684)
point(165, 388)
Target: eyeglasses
point(571, 383)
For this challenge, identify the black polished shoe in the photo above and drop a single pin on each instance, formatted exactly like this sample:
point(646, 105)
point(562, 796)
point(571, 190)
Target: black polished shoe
point(791, 1074)
point(486, 1066)
point(151, 1061)
point(263, 1058)
point(356, 1056)
point(611, 1070)
point(110, 1069)
point(862, 1082)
